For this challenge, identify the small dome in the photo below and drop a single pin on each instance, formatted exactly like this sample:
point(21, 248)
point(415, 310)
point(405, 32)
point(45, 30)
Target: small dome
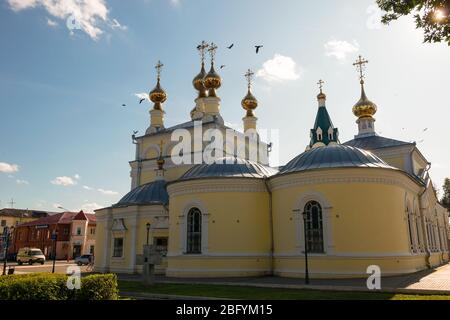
point(198, 82)
point(229, 167)
point(249, 103)
point(334, 156)
point(364, 107)
point(321, 95)
point(158, 95)
point(212, 79)
point(150, 193)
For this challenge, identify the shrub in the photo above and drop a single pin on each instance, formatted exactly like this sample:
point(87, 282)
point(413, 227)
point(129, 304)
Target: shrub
point(41, 286)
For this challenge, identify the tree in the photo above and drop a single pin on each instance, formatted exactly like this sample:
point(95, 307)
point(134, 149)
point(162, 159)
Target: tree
point(446, 197)
point(433, 16)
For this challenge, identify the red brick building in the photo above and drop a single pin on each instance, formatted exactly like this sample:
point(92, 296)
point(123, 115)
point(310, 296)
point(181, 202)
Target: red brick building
point(38, 234)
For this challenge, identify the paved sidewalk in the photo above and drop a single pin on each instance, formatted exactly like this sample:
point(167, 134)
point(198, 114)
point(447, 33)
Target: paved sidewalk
point(432, 281)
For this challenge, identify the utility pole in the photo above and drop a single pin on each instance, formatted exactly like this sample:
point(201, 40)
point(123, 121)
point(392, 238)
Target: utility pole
point(11, 203)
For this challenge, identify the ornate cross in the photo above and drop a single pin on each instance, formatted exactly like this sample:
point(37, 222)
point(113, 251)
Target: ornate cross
point(360, 64)
point(320, 83)
point(202, 48)
point(158, 68)
point(249, 76)
point(212, 51)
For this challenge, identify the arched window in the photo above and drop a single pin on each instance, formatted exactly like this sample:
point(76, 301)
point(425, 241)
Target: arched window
point(194, 231)
point(314, 227)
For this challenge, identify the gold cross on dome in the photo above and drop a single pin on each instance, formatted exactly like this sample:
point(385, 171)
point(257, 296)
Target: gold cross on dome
point(158, 68)
point(212, 51)
point(360, 65)
point(320, 83)
point(202, 48)
point(249, 76)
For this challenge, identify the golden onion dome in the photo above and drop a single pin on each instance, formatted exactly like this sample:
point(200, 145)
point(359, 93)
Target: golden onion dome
point(249, 103)
point(321, 96)
point(364, 108)
point(212, 81)
point(198, 83)
point(158, 95)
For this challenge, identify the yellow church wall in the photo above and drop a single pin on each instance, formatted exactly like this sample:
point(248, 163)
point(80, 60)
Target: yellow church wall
point(364, 221)
point(237, 240)
point(170, 173)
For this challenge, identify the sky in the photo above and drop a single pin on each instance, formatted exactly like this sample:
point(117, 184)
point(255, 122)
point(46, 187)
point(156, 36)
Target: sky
point(67, 66)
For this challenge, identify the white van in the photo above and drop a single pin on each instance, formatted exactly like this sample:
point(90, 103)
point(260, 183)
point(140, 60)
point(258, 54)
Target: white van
point(30, 256)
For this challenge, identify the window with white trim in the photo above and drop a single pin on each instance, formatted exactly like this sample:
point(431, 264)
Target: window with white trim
point(314, 227)
point(194, 231)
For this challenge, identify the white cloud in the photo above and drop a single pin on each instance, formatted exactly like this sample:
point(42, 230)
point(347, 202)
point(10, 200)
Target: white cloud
point(77, 176)
point(340, 49)
point(107, 192)
point(175, 3)
point(279, 68)
point(51, 23)
point(19, 181)
point(90, 207)
point(87, 188)
point(89, 14)
point(8, 168)
point(63, 181)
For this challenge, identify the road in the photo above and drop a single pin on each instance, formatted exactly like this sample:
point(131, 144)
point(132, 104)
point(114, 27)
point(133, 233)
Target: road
point(60, 267)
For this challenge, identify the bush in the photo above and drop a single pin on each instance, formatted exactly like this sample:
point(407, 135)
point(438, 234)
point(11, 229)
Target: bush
point(41, 286)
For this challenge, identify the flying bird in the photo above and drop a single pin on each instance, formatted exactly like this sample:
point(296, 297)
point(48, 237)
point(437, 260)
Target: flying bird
point(124, 105)
point(140, 101)
point(222, 66)
point(231, 46)
point(425, 129)
point(134, 132)
point(257, 48)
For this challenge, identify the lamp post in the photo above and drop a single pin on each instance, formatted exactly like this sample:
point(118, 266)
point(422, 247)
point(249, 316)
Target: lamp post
point(54, 238)
point(306, 248)
point(148, 230)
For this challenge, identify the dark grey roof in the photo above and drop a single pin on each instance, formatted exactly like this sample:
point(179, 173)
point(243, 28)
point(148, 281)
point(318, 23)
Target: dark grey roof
point(184, 125)
point(375, 142)
point(334, 156)
point(151, 193)
point(229, 167)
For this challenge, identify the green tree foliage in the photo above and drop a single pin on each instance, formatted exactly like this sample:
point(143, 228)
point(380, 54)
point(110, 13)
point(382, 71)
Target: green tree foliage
point(433, 16)
point(446, 197)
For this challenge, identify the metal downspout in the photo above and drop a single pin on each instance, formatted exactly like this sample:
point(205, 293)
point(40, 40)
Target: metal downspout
point(272, 263)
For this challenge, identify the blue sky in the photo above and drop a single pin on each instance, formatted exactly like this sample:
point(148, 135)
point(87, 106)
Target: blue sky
point(61, 92)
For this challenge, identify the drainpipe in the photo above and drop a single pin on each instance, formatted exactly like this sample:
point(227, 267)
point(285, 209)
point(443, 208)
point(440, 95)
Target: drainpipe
point(424, 231)
point(272, 264)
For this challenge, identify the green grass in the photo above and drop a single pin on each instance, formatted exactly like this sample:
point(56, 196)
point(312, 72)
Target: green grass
point(241, 292)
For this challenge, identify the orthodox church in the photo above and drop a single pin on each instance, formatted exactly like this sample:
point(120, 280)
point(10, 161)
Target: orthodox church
point(368, 201)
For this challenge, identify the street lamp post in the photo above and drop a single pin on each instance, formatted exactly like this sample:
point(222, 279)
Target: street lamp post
point(148, 230)
point(54, 238)
point(306, 248)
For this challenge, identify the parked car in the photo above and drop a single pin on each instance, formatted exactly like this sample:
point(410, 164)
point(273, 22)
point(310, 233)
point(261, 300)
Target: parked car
point(84, 259)
point(30, 255)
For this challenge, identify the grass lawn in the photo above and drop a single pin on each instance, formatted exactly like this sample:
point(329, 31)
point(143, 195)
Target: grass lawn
point(241, 292)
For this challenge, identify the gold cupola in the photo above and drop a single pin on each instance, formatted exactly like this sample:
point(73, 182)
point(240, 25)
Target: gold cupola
point(212, 80)
point(364, 108)
point(158, 95)
point(249, 102)
point(198, 81)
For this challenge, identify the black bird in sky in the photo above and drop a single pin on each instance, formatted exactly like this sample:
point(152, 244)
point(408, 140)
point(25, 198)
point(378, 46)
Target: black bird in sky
point(124, 105)
point(222, 66)
point(231, 46)
point(140, 101)
point(134, 132)
point(257, 48)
